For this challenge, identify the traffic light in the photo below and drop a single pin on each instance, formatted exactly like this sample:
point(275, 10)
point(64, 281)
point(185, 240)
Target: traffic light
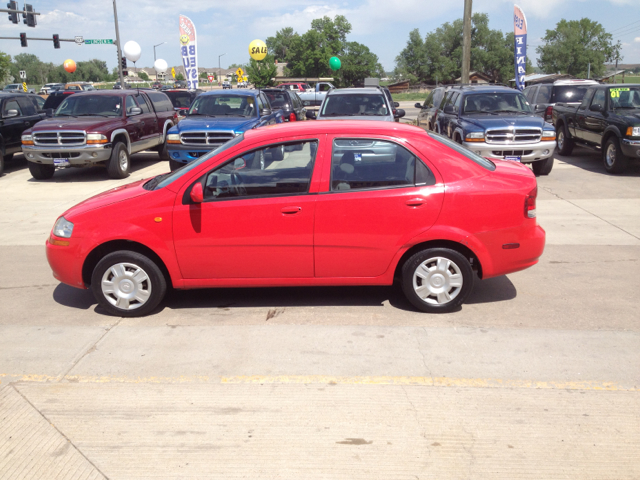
point(29, 18)
point(124, 62)
point(13, 17)
point(56, 40)
point(23, 39)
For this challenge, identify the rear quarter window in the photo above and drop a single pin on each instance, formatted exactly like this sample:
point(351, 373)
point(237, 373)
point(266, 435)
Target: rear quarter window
point(483, 162)
point(161, 102)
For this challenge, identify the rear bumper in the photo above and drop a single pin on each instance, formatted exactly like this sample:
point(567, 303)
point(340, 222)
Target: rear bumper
point(78, 156)
point(528, 152)
point(631, 148)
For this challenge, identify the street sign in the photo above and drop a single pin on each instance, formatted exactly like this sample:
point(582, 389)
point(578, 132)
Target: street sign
point(173, 72)
point(23, 74)
point(24, 87)
point(104, 41)
point(79, 40)
point(211, 78)
point(239, 73)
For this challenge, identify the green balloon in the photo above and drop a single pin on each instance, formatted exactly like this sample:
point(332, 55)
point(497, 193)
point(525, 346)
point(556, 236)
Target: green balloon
point(335, 63)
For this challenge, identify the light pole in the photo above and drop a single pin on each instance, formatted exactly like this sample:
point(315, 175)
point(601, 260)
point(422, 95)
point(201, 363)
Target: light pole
point(115, 17)
point(154, 57)
point(219, 69)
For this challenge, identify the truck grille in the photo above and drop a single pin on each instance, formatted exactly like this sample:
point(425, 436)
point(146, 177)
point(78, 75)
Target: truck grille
point(206, 139)
point(514, 135)
point(511, 153)
point(59, 138)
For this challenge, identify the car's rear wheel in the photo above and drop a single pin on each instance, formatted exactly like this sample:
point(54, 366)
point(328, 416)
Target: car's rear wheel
point(40, 171)
point(128, 284)
point(614, 160)
point(565, 144)
point(119, 164)
point(437, 280)
point(174, 165)
point(542, 167)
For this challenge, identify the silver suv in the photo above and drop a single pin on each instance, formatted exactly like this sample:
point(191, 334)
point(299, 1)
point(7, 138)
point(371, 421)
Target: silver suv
point(543, 97)
point(356, 103)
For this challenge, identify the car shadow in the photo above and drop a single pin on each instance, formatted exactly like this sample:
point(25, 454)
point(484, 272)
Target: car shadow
point(497, 289)
point(97, 173)
point(591, 161)
point(17, 163)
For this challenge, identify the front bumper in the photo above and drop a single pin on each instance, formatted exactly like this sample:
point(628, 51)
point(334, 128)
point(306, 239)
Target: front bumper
point(185, 153)
point(631, 148)
point(66, 262)
point(528, 152)
point(77, 155)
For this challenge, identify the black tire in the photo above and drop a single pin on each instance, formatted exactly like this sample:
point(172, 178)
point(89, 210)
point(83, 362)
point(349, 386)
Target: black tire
point(614, 160)
point(564, 143)
point(41, 171)
point(1, 165)
point(444, 266)
point(8, 158)
point(277, 153)
point(144, 295)
point(542, 167)
point(163, 151)
point(174, 165)
point(119, 165)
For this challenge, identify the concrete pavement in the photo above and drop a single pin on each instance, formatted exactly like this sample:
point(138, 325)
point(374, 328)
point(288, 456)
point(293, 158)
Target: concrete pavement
point(537, 376)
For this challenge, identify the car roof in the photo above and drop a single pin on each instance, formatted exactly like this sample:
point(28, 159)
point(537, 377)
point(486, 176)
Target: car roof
point(13, 94)
point(355, 91)
point(105, 92)
point(237, 92)
point(484, 88)
point(573, 81)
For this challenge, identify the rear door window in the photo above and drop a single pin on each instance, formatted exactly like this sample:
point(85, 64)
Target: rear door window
point(161, 102)
point(142, 103)
point(544, 94)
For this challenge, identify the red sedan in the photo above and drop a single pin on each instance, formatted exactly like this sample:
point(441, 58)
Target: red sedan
point(309, 203)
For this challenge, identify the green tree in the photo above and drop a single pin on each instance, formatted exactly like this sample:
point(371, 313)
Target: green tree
point(358, 63)
point(143, 76)
point(204, 76)
point(5, 67)
point(573, 44)
point(412, 61)
point(279, 45)
point(263, 72)
point(179, 76)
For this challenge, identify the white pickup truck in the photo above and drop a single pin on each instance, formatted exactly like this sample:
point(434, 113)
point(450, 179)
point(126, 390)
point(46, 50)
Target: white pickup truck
point(314, 99)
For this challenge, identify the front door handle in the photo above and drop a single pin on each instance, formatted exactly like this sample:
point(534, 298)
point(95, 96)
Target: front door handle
point(416, 202)
point(291, 210)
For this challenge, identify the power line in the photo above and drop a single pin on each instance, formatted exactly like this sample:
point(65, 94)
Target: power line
point(622, 28)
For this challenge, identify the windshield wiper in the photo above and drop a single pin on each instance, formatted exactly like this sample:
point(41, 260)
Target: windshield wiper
point(234, 115)
point(340, 114)
point(153, 183)
point(510, 111)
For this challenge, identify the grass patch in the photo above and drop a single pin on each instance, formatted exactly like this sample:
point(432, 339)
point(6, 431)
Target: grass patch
point(406, 97)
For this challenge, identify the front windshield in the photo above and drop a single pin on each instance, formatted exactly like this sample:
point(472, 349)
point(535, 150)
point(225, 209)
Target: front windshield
point(220, 106)
point(624, 98)
point(85, 105)
point(502, 102)
point(164, 180)
point(355, 105)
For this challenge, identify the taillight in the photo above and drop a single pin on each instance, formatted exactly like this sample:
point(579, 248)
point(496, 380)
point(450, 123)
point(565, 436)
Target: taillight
point(292, 117)
point(530, 203)
point(548, 113)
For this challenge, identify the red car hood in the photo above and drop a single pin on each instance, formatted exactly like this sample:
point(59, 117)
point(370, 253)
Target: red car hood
point(94, 124)
point(109, 197)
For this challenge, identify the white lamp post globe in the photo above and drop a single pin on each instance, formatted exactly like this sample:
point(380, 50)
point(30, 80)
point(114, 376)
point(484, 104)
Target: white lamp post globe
point(160, 66)
point(132, 51)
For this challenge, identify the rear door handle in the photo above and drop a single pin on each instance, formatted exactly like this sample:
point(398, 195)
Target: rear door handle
point(291, 210)
point(416, 202)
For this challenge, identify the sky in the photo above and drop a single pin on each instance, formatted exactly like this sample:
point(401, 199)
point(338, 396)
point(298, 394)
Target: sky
point(227, 27)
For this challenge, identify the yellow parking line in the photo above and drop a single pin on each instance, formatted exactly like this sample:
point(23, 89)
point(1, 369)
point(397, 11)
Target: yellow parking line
point(332, 380)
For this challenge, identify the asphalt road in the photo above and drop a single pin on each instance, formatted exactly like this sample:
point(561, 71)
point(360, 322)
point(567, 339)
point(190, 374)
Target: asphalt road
point(537, 376)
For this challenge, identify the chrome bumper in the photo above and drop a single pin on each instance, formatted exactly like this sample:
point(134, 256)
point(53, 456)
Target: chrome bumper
point(528, 152)
point(77, 155)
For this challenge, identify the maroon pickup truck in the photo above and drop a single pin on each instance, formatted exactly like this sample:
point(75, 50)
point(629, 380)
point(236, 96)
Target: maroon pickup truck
point(99, 127)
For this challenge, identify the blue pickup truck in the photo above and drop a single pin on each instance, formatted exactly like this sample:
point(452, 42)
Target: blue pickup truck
point(216, 117)
point(496, 121)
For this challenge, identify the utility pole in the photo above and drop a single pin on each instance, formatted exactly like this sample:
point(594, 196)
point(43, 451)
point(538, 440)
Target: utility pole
point(466, 42)
point(219, 69)
point(115, 16)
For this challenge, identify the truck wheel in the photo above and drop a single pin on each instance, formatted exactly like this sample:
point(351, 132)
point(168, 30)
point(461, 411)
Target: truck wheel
point(1, 164)
point(128, 284)
point(119, 163)
point(40, 171)
point(163, 151)
point(542, 167)
point(614, 160)
point(565, 144)
point(437, 280)
point(174, 165)
point(277, 153)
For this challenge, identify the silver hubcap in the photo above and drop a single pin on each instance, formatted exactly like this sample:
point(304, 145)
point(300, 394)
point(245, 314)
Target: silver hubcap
point(560, 139)
point(124, 160)
point(126, 286)
point(437, 281)
point(610, 156)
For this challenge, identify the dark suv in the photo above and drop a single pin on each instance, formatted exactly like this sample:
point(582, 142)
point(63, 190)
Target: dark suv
point(19, 111)
point(544, 96)
point(288, 101)
point(430, 108)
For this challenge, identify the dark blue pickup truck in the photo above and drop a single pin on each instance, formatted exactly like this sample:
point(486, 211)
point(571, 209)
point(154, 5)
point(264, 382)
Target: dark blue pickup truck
point(216, 117)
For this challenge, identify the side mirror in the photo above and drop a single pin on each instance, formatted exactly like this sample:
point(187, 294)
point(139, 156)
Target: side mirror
point(197, 194)
point(264, 112)
point(449, 109)
point(417, 105)
point(135, 111)
point(49, 112)
point(311, 115)
point(594, 108)
point(396, 104)
point(399, 113)
point(11, 113)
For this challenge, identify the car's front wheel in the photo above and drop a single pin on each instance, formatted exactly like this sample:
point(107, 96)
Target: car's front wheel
point(542, 167)
point(40, 171)
point(128, 284)
point(163, 151)
point(614, 160)
point(119, 164)
point(437, 280)
point(565, 144)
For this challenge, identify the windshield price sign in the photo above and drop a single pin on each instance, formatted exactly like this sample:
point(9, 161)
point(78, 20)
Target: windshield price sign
point(104, 41)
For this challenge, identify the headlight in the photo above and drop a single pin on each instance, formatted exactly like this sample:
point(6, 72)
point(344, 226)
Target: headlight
point(96, 138)
point(173, 138)
point(475, 137)
point(631, 132)
point(548, 135)
point(27, 140)
point(63, 228)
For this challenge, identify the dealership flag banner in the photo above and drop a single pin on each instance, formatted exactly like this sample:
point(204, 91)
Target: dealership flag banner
point(189, 52)
point(520, 57)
